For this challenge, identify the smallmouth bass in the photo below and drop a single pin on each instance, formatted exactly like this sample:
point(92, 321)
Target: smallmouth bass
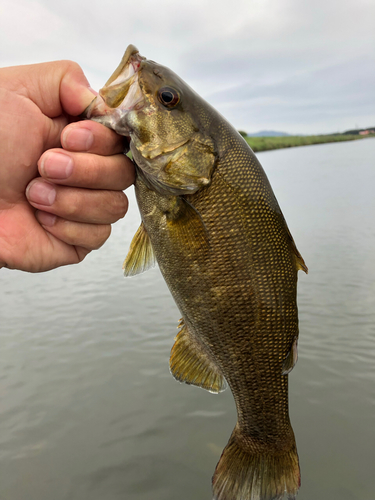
point(212, 222)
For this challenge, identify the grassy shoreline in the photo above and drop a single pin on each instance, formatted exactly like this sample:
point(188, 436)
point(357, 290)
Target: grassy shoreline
point(268, 143)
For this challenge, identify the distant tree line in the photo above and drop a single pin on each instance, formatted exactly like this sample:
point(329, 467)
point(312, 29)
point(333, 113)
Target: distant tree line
point(357, 131)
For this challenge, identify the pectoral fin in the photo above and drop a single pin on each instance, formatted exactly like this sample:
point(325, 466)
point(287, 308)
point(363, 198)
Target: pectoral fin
point(187, 227)
point(141, 254)
point(291, 359)
point(190, 363)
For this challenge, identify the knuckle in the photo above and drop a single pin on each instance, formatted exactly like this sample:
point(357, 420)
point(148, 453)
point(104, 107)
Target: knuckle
point(96, 207)
point(67, 231)
point(119, 204)
point(81, 253)
point(73, 209)
point(87, 236)
point(71, 66)
point(103, 232)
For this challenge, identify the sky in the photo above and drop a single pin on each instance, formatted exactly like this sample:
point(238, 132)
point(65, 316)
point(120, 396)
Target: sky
point(297, 66)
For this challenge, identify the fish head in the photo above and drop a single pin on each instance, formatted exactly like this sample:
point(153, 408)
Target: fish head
point(166, 121)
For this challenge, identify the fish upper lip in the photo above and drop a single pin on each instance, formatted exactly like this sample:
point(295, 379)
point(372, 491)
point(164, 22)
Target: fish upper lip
point(122, 90)
point(126, 70)
point(131, 55)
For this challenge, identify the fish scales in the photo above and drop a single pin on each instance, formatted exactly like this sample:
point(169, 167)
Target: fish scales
point(226, 316)
point(210, 217)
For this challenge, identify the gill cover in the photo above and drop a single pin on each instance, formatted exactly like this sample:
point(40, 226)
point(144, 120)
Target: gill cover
point(146, 102)
point(182, 170)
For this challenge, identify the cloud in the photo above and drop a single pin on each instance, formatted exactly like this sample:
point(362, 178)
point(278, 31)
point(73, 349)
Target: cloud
point(338, 91)
point(25, 28)
point(302, 66)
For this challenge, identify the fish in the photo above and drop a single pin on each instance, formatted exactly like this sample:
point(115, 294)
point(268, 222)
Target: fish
point(211, 221)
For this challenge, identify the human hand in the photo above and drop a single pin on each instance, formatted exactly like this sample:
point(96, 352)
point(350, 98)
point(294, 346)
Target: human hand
point(56, 218)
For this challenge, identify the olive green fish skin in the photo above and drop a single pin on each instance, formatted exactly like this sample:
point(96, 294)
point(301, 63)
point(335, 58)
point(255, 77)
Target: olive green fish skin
point(237, 293)
point(228, 258)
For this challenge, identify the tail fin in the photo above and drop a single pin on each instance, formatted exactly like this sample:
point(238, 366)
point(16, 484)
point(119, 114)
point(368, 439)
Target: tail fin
point(250, 475)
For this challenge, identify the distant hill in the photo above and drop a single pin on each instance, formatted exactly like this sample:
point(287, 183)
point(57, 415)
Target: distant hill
point(268, 133)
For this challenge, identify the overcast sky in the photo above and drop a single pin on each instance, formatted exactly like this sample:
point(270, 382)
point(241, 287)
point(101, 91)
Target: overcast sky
point(289, 65)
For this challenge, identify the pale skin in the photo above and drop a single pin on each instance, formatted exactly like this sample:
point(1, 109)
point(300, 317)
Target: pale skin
point(61, 180)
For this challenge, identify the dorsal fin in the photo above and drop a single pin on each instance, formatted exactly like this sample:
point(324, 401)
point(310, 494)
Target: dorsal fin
point(141, 254)
point(190, 363)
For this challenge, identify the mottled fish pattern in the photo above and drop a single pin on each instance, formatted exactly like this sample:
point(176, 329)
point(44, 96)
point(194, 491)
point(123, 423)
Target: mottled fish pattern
point(213, 224)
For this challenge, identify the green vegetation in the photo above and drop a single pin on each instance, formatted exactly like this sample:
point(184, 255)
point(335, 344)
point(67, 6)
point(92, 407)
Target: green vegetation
point(268, 143)
point(244, 134)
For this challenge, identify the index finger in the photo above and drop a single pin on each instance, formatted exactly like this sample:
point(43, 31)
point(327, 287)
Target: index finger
point(92, 137)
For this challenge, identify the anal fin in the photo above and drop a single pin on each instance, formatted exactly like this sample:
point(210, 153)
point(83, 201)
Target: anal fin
point(141, 254)
point(190, 363)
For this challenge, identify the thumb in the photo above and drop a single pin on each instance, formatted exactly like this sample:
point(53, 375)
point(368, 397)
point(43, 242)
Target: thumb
point(55, 87)
point(75, 91)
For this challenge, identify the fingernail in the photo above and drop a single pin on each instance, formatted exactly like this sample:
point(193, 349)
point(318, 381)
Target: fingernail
point(45, 218)
point(77, 139)
point(41, 192)
point(56, 166)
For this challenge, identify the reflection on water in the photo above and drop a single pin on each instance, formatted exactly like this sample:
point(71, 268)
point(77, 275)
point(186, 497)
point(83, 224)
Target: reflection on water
point(89, 409)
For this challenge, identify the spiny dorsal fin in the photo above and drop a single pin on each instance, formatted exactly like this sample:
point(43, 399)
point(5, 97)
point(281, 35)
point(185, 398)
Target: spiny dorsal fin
point(190, 363)
point(291, 359)
point(141, 255)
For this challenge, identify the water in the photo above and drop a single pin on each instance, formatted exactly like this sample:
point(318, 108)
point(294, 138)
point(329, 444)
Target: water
point(89, 410)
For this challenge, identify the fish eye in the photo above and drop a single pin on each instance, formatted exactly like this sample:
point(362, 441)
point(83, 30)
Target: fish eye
point(168, 97)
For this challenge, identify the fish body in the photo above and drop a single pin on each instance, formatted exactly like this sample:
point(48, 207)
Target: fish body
point(211, 220)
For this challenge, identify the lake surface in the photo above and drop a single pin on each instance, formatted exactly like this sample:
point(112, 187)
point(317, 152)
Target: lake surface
point(89, 410)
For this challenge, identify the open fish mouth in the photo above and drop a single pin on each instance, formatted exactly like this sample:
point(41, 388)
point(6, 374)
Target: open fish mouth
point(122, 91)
